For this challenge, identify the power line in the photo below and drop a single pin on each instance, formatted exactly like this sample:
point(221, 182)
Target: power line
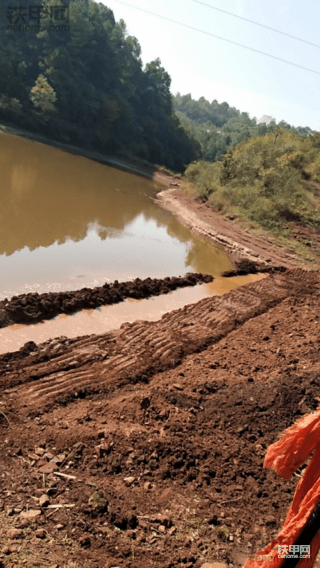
point(256, 23)
point(218, 37)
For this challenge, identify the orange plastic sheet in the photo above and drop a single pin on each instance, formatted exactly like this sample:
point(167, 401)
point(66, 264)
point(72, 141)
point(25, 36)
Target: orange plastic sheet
point(285, 456)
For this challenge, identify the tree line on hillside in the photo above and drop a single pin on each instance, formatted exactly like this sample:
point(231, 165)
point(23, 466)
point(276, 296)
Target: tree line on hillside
point(218, 127)
point(69, 71)
point(72, 72)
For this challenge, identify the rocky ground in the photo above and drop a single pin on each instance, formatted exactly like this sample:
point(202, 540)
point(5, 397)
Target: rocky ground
point(145, 446)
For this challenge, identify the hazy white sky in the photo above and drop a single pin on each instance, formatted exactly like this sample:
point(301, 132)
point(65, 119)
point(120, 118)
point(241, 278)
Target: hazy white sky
point(205, 66)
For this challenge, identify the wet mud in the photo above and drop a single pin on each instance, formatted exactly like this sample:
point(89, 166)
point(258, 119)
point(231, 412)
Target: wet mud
point(34, 307)
point(242, 267)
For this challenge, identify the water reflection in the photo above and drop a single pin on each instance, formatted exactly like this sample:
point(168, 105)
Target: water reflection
point(67, 222)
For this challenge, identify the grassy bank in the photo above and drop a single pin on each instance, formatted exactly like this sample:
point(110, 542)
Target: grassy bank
point(268, 184)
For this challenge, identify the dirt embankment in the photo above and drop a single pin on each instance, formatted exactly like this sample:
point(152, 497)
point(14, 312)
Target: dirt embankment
point(162, 428)
point(248, 252)
point(34, 307)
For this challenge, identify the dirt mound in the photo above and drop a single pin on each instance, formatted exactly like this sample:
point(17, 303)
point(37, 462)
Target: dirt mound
point(32, 308)
point(243, 267)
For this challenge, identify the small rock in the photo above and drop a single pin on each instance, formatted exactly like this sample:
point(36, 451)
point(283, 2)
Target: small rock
point(177, 386)
point(40, 533)
point(172, 531)
point(32, 456)
point(39, 451)
point(48, 456)
point(59, 527)
point(48, 468)
point(5, 550)
point(231, 538)
point(31, 515)
point(44, 501)
point(147, 485)
point(13, 548)
point(56, 459)
point(129, 480)
point(162, 529)
point(9, 511)
point(15, 533)
point(143, 524)
point(25, 523)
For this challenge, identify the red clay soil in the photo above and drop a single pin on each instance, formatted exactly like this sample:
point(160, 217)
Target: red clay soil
point(163, 427)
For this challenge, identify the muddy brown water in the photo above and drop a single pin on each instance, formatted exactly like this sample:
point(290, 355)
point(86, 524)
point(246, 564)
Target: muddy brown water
point(67, 222)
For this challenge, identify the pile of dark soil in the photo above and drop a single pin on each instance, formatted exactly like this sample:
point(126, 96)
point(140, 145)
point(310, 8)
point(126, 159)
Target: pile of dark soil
point(32, 308)
point(244, 267)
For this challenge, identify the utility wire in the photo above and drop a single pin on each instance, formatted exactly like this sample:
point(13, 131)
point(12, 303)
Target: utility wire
point(218, 37)
point(256, 23)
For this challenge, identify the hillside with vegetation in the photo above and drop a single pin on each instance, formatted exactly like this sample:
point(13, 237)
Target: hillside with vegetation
point(269, 182)
point(219, 127)
point(84, 83)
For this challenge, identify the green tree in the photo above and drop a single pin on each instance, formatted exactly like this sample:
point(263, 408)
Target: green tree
point(42, 95)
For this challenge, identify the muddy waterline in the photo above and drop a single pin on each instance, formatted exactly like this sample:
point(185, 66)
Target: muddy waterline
point(67, 222)
point(106, 318)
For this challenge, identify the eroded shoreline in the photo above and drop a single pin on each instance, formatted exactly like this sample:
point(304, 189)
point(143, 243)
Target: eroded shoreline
point(249, 253)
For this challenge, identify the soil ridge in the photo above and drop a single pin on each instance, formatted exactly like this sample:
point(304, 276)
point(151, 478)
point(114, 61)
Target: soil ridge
point(34, 307)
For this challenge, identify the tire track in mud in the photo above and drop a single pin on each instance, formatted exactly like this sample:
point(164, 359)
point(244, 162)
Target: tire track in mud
point(137, 350)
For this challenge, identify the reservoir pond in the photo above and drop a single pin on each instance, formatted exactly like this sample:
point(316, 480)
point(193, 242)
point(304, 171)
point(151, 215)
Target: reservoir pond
point(67, 222)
